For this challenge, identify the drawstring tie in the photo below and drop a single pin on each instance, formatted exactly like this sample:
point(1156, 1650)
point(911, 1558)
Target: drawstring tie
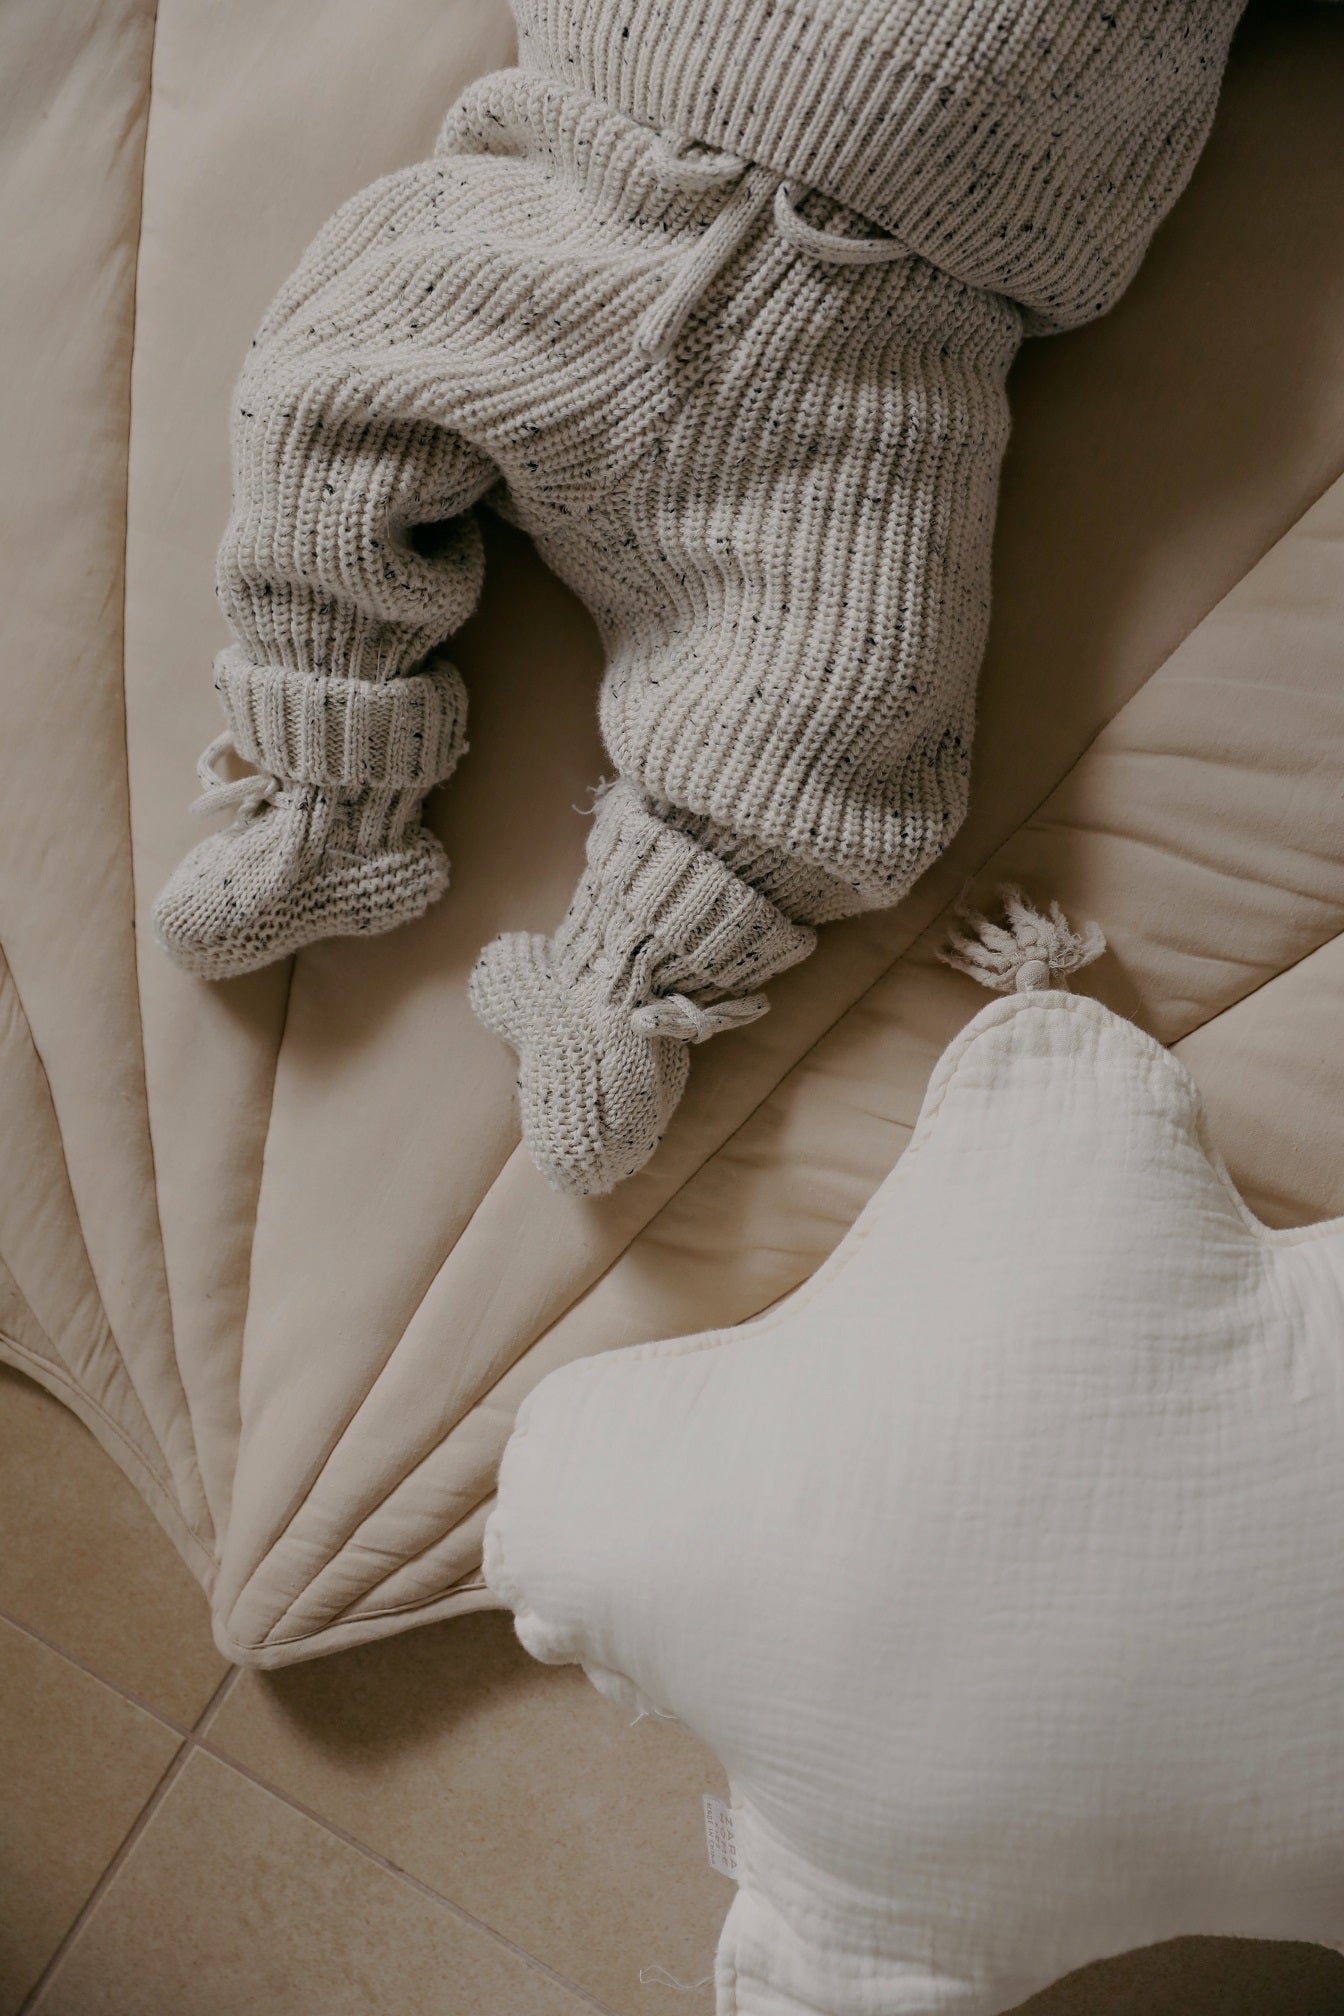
point(663, 322)
point(682, 1020)
point(249, 794)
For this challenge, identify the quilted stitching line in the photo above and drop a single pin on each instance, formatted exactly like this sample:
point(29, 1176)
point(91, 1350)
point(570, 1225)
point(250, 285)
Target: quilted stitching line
point(195, 1476)
point(305, 1490)
point(1260, 986)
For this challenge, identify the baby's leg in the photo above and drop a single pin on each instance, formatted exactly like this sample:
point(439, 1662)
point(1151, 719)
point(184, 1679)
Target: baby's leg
point(335, 687)
point(795, 601)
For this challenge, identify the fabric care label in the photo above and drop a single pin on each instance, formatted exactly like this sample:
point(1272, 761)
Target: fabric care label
point(720, 1839)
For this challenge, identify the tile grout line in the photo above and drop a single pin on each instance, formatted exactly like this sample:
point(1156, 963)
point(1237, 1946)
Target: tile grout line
point(205, 1719)
point(91, 1902)
point(391, 1868)
point(171, 1774)
point(196, 1738)
point(179, 1729)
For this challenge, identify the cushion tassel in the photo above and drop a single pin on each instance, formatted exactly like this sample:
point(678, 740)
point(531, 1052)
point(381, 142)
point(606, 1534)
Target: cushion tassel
point(1028, 953)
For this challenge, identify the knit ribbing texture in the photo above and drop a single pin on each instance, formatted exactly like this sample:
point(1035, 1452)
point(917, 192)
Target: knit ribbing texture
point(716, 299)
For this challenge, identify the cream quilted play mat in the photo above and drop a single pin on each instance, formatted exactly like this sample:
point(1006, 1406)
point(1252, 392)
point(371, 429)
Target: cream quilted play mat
point(275, 1241)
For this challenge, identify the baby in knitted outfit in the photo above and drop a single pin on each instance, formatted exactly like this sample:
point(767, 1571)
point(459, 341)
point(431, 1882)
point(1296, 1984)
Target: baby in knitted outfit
point(716, 299)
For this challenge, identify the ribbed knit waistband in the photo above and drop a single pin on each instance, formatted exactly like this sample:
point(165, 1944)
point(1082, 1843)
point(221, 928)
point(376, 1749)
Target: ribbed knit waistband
point(1030, 146)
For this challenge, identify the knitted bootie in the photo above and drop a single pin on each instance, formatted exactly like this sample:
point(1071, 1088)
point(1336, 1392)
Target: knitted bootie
point(661, 947)
point(327, 841)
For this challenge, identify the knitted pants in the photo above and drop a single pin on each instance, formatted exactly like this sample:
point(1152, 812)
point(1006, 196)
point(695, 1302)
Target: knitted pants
point(755, 426)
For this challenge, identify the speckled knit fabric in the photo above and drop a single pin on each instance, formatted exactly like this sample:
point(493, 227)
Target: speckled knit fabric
point(715, 298)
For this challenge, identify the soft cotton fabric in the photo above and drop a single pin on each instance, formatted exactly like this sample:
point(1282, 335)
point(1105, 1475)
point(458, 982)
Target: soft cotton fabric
point(717, 301)
point(1000, 1564)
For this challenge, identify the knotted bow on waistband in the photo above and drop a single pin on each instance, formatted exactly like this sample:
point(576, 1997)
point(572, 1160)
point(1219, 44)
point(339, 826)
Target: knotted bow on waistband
point(677, 169)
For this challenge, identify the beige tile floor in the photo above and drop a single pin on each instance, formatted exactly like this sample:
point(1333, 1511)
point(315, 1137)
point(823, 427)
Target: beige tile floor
point(428, 1827)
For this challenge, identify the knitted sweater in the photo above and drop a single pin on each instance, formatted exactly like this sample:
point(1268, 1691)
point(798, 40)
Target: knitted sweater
point(716, 299)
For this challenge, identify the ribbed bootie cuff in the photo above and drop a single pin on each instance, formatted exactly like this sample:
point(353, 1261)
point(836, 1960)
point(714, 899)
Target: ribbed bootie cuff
point(664, 916)
point(402, 734)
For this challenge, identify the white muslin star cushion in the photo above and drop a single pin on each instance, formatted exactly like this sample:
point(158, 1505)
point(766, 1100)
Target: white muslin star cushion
point(1002, 1565)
